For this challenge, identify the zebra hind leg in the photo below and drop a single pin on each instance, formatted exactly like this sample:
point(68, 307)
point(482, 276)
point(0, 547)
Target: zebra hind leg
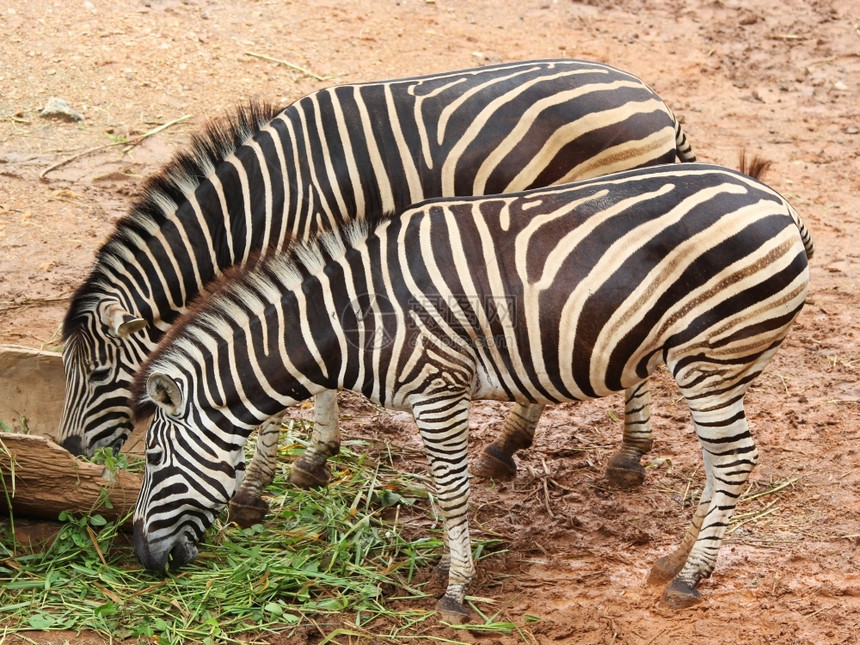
point(248, 506)
point(624, 469)
point(497, 459)
point(668, 566)
point(311, 470)
point(729, 456)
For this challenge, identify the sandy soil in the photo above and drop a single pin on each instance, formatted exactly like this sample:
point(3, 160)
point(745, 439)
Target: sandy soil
point(782, 81)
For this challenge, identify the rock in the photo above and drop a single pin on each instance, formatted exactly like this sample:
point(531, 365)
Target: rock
point(56, 108)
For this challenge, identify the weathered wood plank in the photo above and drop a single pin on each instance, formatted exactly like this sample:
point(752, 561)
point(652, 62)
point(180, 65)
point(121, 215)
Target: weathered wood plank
point(32, 390)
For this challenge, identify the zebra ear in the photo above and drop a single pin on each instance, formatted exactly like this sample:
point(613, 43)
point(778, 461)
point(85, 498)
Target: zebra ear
point(120, 322)
point(166, 393)
point(131, 326)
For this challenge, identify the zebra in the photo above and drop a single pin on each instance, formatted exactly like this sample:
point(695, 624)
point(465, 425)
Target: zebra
point(264, 176)
point(555, 294)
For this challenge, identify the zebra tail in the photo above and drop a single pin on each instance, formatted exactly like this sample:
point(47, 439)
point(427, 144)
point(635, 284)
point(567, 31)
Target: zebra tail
point(805, 235)
point(682, 146)
point(756, 168)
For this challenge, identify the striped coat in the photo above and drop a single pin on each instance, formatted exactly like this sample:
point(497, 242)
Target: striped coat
point(337, 155)
point(557, 294)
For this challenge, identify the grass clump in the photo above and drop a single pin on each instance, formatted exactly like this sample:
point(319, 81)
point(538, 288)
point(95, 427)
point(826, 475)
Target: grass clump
point(344, 550)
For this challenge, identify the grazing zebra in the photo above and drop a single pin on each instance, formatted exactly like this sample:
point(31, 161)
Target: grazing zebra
point(555, 294)
point(337, 155)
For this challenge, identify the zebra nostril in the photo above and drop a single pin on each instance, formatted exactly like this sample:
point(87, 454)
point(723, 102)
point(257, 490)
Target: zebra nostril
point(74, 445)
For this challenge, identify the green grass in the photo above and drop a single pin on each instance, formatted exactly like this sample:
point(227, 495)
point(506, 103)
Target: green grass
point(344, 560)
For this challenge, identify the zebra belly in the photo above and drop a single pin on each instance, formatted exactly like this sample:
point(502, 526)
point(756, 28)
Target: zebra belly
point(521, 386)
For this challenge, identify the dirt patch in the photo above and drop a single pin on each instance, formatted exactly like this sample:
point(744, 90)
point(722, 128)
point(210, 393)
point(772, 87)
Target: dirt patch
point(782, 81)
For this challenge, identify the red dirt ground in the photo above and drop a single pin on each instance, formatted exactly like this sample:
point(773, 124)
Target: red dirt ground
point(782, 81)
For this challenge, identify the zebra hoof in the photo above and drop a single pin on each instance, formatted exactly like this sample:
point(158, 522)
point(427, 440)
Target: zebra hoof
point(625, 473)
point(310, 475)
point(246, 511)
point(451, 611)
point(665, 569)
point(680, 594)
point(495, 464)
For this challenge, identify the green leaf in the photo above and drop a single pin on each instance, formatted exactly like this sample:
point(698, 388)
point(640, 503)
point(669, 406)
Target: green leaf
point(41, 621)
point(107, 609)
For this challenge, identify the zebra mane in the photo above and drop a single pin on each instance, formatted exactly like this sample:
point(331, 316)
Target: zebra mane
point(163, 193)
point(262, 281)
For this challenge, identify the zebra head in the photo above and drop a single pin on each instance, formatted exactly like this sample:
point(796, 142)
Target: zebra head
point(103, 348)
point(191, 474)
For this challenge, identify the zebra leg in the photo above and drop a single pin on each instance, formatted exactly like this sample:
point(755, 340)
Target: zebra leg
point(497, 459)
point(248, 506)
point(624, 469)
point(311, 470)
point(444, 427)
point(668, 566)
point(729, 454)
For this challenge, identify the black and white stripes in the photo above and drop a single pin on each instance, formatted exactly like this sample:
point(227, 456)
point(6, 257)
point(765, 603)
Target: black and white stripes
point(557, 294)
point(265, 177)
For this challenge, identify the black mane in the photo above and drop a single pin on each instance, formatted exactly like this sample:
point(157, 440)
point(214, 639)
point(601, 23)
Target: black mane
point(275, 269)
point(183, 173)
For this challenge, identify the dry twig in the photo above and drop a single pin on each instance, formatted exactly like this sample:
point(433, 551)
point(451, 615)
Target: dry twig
point(304, 71)
point(130, 143)
point(32, 302)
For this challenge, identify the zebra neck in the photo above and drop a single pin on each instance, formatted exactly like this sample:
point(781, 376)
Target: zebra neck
point(287, 350)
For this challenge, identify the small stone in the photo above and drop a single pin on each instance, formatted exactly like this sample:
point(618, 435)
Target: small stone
point(839, 86)
point(56, 108)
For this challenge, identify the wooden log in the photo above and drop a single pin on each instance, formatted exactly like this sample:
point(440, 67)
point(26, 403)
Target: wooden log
point(42, 479)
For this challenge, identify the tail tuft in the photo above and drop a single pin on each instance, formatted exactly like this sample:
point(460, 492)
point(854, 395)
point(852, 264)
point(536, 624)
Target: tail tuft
point(755, 167)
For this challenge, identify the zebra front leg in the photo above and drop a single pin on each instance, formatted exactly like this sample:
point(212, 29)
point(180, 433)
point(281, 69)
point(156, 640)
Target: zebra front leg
point(311, 469)
point(444, 427)
point(497, 459)
point(625, 469)
point(729, 456)
point(248, 506)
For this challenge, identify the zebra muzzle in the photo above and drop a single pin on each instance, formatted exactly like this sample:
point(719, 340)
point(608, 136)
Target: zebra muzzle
point(168, 553)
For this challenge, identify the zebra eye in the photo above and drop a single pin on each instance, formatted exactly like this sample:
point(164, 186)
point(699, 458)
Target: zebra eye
point(100, 372)
point(153, 456)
